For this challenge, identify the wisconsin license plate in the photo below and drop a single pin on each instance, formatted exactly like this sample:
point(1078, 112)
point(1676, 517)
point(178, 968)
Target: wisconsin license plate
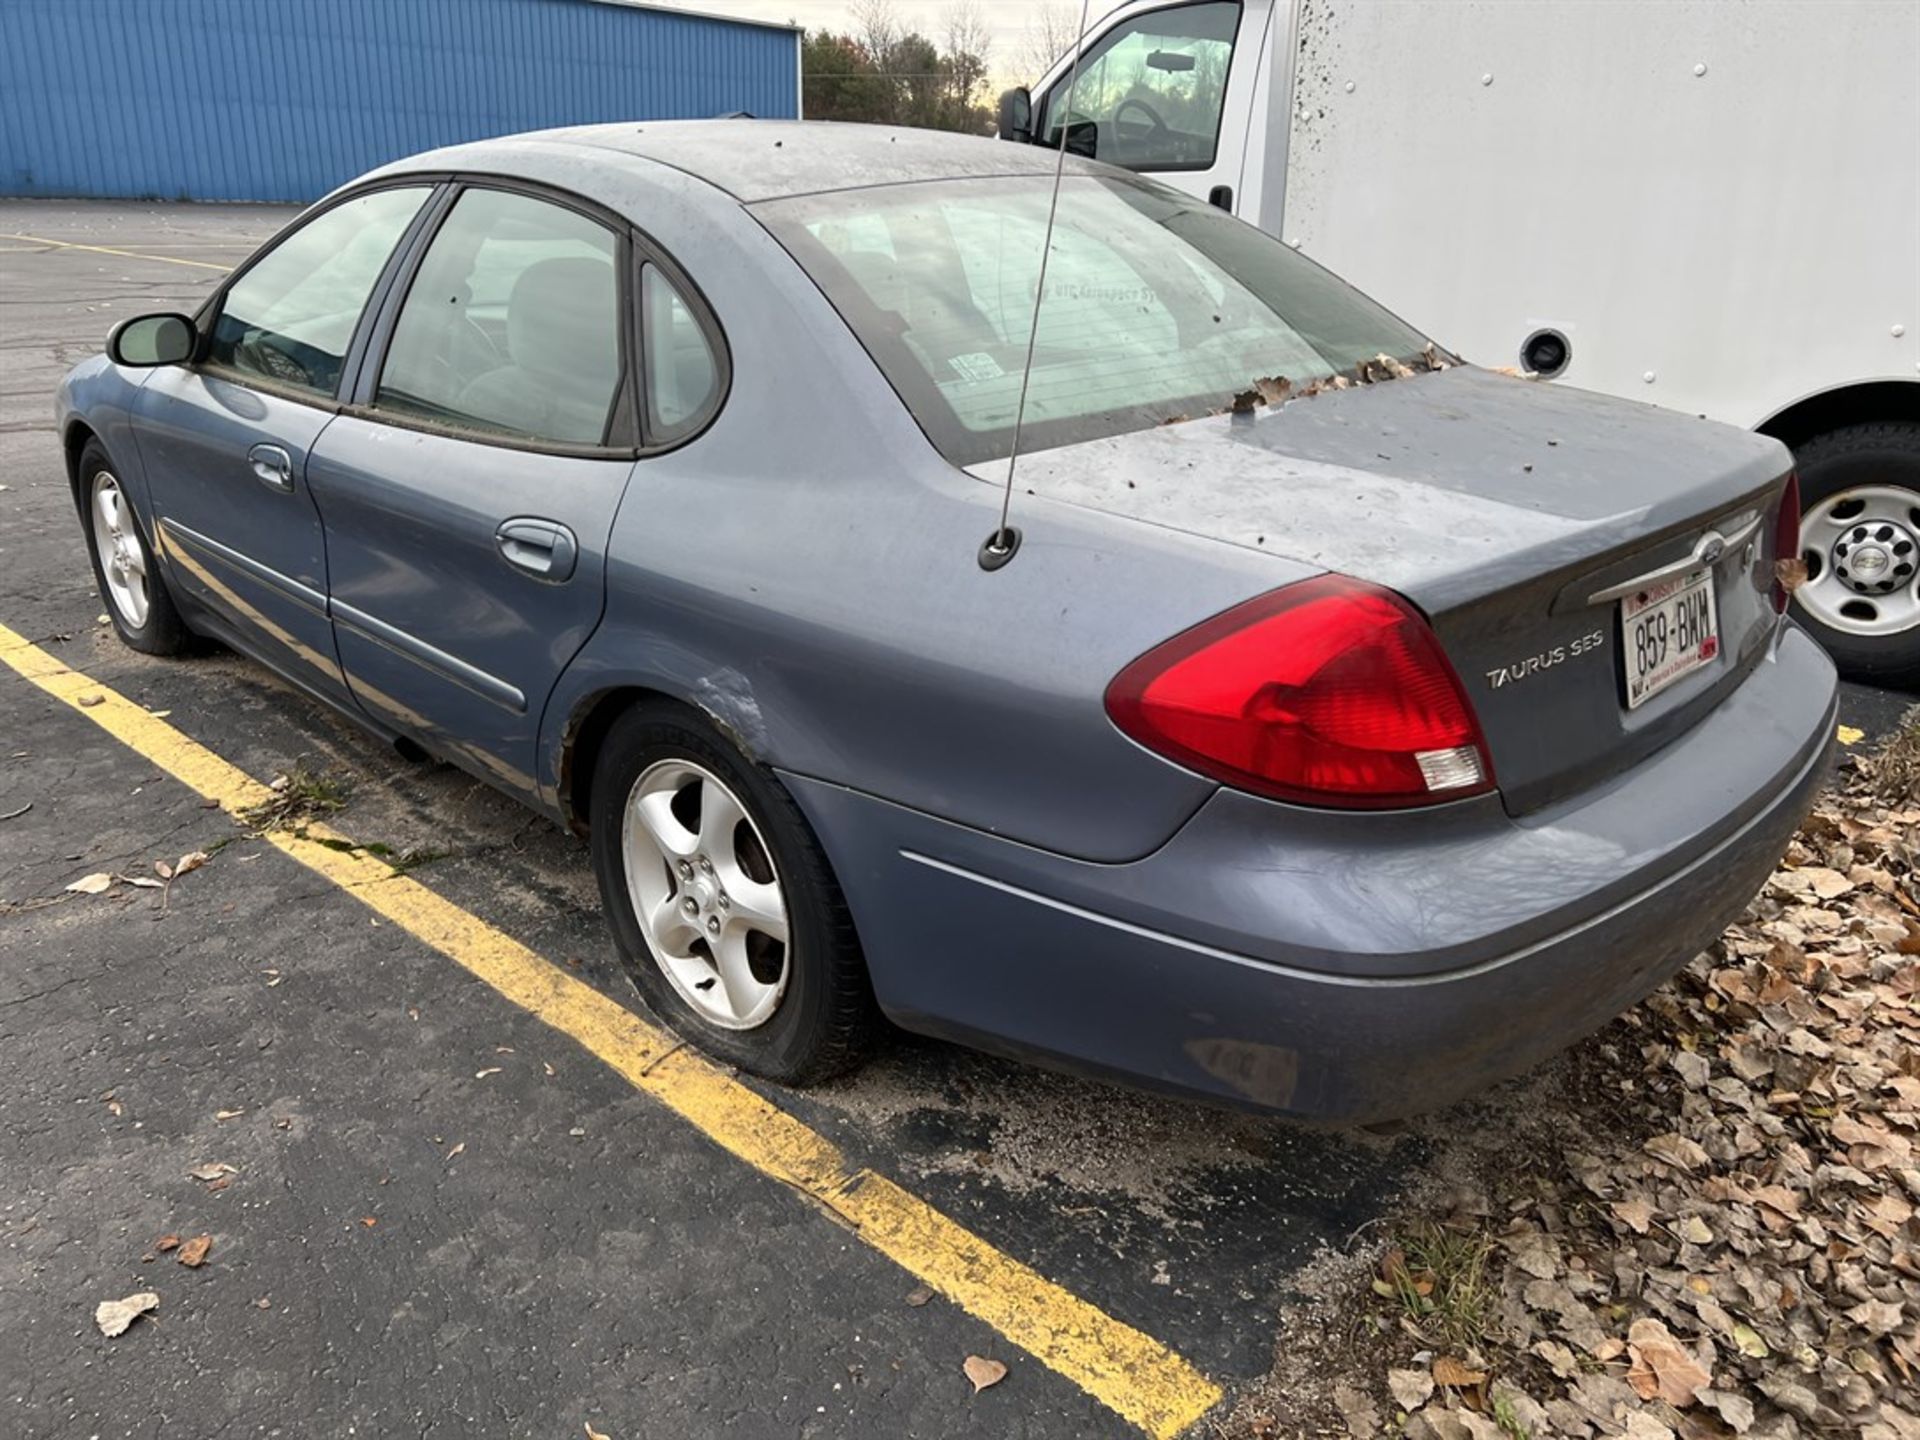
point(1667, 631)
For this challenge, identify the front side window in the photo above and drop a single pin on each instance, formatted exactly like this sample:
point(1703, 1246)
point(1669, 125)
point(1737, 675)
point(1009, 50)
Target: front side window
point(1150, 91)
point(291, 316)
point(512, 324)
point(1157, 307)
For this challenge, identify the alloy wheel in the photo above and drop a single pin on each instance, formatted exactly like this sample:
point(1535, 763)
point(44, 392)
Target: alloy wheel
point(703, 885)
point(122, 558)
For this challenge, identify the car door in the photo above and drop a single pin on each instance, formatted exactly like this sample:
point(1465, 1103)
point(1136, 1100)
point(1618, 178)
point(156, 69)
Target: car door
point(468, 491)
point(225, 440)
point(1157, 92)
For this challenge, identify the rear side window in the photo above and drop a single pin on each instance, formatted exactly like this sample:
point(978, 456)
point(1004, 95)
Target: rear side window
point(683, 380)
point(291, 316)
point(512, 324)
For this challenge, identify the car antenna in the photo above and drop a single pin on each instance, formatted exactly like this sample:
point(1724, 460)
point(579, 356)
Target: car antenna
point(1000, 546)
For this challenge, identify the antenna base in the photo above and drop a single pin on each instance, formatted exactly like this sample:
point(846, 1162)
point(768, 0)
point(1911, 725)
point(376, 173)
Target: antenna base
point(999, 547)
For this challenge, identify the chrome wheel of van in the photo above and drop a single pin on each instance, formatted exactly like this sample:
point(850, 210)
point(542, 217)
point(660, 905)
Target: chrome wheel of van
point(123, 560)
point(704, 888)
point(1862, 551)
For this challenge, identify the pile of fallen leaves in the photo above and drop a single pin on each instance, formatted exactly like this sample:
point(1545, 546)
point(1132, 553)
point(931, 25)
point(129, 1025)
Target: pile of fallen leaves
point(1736, 1252)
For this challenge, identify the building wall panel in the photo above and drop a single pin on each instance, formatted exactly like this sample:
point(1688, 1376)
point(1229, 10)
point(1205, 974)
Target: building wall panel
point(284, 99)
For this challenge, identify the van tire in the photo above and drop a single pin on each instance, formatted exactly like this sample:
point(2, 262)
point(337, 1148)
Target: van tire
point(1884, 455)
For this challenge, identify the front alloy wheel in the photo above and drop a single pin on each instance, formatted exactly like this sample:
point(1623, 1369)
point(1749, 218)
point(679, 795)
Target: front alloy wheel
point(138, 601)
point(123, 559)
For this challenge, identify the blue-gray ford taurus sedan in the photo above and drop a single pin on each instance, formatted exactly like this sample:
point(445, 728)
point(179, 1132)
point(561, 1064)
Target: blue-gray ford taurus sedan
point(1333, 727)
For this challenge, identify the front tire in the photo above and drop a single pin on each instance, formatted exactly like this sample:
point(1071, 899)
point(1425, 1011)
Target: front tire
point(723, 908)
point(1860, 539)
point(137, 600)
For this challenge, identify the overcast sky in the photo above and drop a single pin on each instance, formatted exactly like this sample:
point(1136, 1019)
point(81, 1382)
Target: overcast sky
point(1004, 18)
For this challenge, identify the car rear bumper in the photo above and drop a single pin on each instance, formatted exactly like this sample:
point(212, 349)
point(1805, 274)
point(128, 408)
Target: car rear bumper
point(1343, 967)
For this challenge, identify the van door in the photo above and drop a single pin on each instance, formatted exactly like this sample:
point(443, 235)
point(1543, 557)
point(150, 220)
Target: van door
point(1159, 90)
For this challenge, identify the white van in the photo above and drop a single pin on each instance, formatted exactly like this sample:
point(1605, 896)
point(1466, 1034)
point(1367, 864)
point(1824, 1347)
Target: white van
point(1705, 205)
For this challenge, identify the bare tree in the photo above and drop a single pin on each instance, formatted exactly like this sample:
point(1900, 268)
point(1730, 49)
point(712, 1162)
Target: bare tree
point(876, 25)
point(1053, 28)
point(969, 47)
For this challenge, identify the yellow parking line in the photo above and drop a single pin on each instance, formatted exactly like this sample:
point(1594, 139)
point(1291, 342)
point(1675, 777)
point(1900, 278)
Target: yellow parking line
point(1130, 1372)
point(109, 250)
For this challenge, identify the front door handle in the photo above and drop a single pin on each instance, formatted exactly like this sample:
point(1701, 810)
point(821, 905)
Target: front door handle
point(272, 467)
point(544, 549)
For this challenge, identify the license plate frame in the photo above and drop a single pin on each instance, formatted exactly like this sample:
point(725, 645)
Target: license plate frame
point(1656, 625)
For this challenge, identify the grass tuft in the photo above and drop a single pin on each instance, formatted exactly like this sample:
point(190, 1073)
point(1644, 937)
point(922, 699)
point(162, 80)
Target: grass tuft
point(1438, 1276)
point(298, 796)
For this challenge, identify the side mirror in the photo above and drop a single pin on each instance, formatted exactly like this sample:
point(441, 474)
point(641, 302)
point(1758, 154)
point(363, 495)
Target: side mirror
point(1016, 115)
point(146, 340)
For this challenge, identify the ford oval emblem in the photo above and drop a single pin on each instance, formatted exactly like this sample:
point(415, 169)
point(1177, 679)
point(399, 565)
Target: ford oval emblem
point(1712, 548)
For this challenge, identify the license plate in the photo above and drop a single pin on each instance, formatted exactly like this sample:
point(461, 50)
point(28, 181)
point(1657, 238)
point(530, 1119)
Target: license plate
point(1667, 631)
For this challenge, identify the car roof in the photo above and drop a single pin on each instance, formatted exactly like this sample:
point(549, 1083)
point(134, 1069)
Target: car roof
point(768, 159)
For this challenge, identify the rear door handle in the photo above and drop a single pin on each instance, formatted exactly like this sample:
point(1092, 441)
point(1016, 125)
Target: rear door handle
point(544, 549)
point(272, 467)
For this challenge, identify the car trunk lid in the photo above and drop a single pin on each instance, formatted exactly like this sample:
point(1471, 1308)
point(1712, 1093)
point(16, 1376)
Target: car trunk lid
point(1516, 515)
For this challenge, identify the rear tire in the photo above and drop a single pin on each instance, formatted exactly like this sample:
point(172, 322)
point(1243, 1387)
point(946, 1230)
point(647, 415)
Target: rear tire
point(131, 585)
point(713, 852)
point(1860, 500)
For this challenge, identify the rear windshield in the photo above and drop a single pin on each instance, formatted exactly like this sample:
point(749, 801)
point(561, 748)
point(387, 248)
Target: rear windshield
point(1157, 306)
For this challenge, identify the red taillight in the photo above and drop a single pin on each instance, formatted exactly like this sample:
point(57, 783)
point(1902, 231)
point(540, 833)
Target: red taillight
point(1330, 692)
point(1786, 538)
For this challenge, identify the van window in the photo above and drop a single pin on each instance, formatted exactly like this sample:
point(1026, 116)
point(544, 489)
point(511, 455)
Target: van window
point(1150, 90)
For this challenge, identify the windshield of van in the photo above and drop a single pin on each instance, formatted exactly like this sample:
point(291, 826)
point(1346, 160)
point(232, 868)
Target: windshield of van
point(1158, 307)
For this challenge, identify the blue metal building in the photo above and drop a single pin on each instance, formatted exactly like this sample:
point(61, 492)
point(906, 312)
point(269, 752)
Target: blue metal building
point(284, 99)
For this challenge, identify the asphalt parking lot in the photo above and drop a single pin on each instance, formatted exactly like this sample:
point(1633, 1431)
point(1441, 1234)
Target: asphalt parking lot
point(454, 1208)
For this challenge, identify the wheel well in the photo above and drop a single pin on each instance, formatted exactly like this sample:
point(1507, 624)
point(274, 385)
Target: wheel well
point(580, 751)
point(73, 442)
point(1848, 405)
